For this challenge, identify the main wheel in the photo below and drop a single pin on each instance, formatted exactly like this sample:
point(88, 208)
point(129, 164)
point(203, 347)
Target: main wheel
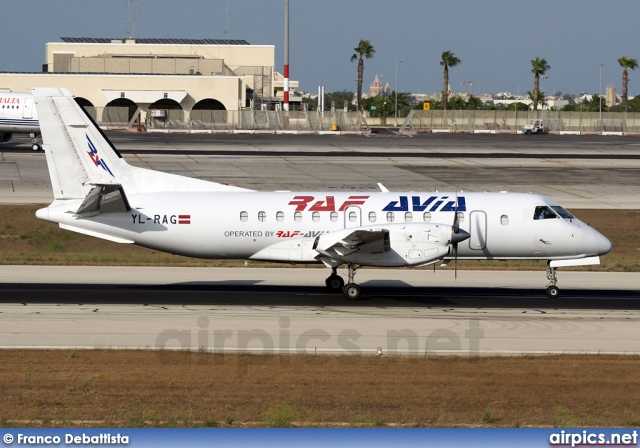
point(351, 291)
point(334, 283)
point(553, 291)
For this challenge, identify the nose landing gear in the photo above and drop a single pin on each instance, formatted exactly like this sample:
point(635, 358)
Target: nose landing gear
point(552, 289)
point(34, 142)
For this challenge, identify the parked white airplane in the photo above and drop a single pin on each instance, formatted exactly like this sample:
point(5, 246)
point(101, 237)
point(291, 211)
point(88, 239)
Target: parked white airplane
point(97, 193)
point(18, 116)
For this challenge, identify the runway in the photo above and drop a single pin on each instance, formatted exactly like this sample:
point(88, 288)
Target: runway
point(577, 171)
point(288, 310)
point(406, 312)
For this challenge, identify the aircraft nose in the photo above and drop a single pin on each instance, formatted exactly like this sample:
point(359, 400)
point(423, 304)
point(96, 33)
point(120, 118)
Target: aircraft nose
point(604, 245)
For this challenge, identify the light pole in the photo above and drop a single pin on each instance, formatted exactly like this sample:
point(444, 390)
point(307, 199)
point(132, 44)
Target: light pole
point(544, 98)
point(600, 97)
point(395, 109)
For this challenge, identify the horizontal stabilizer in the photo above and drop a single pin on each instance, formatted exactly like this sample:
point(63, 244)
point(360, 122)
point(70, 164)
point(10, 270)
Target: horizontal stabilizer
point(104, 236)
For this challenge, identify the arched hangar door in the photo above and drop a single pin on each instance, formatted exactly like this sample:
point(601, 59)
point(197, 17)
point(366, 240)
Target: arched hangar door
point(88, 107)
point(165, 114)
point(119, 112)
point(208, 114)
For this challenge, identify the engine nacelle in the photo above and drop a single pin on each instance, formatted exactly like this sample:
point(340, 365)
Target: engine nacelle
point(5, 136)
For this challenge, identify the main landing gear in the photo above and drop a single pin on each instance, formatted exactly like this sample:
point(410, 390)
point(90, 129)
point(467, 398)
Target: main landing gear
point(335, 283)
point(552, 289)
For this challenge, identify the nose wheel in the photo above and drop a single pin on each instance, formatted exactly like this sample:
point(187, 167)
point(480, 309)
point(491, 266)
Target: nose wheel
point(553, 291)
point(552, 288)
point(34, 142)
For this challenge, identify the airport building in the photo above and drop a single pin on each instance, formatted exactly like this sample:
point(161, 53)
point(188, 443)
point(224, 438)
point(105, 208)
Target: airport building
point(121, 81)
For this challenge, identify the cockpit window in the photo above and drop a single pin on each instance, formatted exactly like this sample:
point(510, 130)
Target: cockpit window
point(544, 212)
point(562, 212)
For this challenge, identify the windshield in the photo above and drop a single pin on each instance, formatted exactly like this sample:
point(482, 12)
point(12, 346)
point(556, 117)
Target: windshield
point(543, 212)
point(562, 212)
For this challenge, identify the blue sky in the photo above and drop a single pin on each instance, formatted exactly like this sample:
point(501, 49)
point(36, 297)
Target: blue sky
point(495, 39)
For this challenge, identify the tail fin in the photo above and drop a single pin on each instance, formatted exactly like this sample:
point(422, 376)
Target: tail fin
point(78, 154)
point(81, 158)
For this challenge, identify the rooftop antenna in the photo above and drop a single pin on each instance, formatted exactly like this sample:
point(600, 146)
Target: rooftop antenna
point(227, 30)
point(130, 21)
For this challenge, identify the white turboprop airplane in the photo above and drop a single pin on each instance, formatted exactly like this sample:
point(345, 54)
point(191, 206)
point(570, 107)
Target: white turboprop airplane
point(18, 116)
point(97, 193)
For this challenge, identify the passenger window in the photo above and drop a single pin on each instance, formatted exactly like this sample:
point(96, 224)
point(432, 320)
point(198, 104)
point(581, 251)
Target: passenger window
point(390, 217)
point(372, 217)
point(280, 216)
point(460, 217)
point(262, 216)
point(426, 217)
point(297, 216)
point(334, 216)
point(353, 216)
point(504, 220)
point(408, 217)
point(315, 216)
point(244, 216)
point(543, 212)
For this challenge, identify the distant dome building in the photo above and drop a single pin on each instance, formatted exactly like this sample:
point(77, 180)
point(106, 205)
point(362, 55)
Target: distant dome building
point(376, 87)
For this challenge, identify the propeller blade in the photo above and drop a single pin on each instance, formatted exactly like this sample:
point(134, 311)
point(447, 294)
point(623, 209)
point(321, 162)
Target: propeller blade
point(456, 232)
point(455, 261)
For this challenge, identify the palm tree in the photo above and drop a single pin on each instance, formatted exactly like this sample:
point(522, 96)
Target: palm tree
point(626, 63)
point(537, 99)
point(365, 49)
point(448, 60)
point(540, 66)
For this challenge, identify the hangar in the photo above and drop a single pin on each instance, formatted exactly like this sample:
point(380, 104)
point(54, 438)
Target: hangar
point(160, 82)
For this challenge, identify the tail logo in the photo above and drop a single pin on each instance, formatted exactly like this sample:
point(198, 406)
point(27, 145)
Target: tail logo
point(95, 158)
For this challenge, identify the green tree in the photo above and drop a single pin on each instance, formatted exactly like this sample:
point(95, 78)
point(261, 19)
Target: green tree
point(448, 60)
point(539, 67)
point(363, 50)
point(383, 108)
point(457, 103)
point(339, 99)
point(517, 106)
point(626, 63)
point(404, 100)
point(634, 104)
point(474, 103)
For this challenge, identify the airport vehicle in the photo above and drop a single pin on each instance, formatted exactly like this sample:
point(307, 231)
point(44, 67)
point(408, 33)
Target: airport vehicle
point(96, 192)
point(535, 127)
point(18, 116)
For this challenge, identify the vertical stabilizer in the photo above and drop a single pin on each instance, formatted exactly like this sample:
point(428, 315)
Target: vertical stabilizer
point(78, 155)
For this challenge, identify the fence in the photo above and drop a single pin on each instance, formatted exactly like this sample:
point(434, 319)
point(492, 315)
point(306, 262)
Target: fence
point(223, 120)
point(314, 121)
point(512, 121)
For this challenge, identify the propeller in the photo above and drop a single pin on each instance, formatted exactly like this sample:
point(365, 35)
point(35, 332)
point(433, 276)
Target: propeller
point(456, 231)
point(456, 237)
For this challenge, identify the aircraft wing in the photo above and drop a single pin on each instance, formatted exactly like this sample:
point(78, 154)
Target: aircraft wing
point(349, 241)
